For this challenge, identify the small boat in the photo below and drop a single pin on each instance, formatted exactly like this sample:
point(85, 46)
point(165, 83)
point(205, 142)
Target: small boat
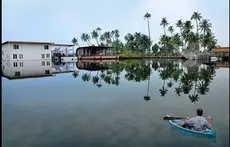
point(204, 133)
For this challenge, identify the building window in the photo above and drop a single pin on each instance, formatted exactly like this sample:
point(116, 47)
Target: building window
point(46, 47)
point(14, 56)
point(47, 72)
point(43, 63)
point(21, 64)
point(48, 63)
point(43, 56)
point(16, 46)
point(17, 73)
point(47, 55)
point(20, 56)
point(15, 64)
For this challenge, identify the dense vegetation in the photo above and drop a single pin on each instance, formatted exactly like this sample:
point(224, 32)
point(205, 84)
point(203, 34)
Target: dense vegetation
point(190, 37)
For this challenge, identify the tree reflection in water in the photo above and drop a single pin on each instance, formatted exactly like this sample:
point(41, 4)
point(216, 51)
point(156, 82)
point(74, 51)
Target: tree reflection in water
point(181, 78)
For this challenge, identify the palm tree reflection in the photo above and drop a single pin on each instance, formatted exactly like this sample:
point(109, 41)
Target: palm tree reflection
point(181, 79)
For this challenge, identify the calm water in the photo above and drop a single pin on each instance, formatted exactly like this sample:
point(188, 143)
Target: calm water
point(112, 104)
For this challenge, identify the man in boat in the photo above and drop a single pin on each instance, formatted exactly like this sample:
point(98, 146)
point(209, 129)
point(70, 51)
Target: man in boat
point(198, 122)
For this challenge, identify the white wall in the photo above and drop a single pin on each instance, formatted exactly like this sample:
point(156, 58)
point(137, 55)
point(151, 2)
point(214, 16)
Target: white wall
point(26, 68)
point(29, 51)
point(6, 52)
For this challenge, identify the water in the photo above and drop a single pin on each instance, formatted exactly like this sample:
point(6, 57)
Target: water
point(117, 106)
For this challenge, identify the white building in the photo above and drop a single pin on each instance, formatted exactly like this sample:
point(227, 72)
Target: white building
point(25, 50)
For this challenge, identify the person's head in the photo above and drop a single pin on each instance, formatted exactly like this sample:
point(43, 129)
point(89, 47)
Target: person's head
point(199, 112)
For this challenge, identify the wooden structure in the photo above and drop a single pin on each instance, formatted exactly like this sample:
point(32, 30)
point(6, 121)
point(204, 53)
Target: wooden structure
point(222, 52)
point(95, 53)
point(93, 66)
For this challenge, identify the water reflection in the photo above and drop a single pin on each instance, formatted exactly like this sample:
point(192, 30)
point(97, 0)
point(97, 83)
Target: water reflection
point(182, 77)
point(34, 69)
point(189, 77)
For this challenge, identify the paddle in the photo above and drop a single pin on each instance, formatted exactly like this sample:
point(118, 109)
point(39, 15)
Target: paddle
point(172, 118)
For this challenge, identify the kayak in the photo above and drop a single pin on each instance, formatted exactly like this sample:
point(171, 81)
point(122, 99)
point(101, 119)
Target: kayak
point(204, 133)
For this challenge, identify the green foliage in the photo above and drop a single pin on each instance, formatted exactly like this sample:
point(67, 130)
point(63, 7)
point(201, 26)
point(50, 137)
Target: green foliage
point(137, 42)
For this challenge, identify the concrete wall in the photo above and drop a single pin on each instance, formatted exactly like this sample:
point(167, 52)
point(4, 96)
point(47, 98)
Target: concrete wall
point(6, 52)
point(27, 52)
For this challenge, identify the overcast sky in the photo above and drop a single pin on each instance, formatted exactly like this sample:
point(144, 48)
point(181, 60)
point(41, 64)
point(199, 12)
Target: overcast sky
point(61, 20)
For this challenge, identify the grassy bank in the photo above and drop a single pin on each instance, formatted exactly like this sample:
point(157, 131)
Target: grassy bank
point(138, 55)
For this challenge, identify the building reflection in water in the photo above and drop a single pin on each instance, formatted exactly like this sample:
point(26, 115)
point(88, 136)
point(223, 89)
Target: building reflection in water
point(34, 69)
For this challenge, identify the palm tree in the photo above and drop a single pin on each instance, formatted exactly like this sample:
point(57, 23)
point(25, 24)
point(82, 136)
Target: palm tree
point(85, 77)
point(177, 41)
point(112, 35)
point(196, 16)
point(95, 35)
point(187, 27)
point(148, 16)
point(107, 36)
point(85, 37)
point(178, 90)
point(75, 42)
point(75, 74)
point(194, 98)
point(163, 91)
point(98, 29)
point(102, 38)
point(205, 26)
point(179, 24)
point(116, 34)
point(171, 30)
point(203, 87)
point(88, 38)
point(164, 23)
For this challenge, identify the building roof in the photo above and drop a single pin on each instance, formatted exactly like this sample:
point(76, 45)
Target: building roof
point(221, 50)
point(61, 44)
point(36, 42)
point(94, 47)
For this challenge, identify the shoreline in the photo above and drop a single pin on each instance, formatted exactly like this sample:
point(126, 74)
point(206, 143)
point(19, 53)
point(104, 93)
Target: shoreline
point(153, 57)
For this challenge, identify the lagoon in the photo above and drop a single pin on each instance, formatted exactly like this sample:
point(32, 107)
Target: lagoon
point(114, 104)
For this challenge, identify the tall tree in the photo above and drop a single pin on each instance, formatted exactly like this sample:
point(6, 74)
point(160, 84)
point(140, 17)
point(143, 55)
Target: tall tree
point(95, 36)
point(148, 16)
point(205, 26)
point(112, 35)
point(164, 23)
point(179, 24)
point(171, 30)
point(187, 27)
point(98, 29)
point(196, 16)
point(75, 41)
point(117, 34)
point(108, 39)
point(102, 38)
point(84, 38)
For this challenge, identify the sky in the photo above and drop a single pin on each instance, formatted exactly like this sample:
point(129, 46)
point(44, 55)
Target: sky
point(60, 20)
